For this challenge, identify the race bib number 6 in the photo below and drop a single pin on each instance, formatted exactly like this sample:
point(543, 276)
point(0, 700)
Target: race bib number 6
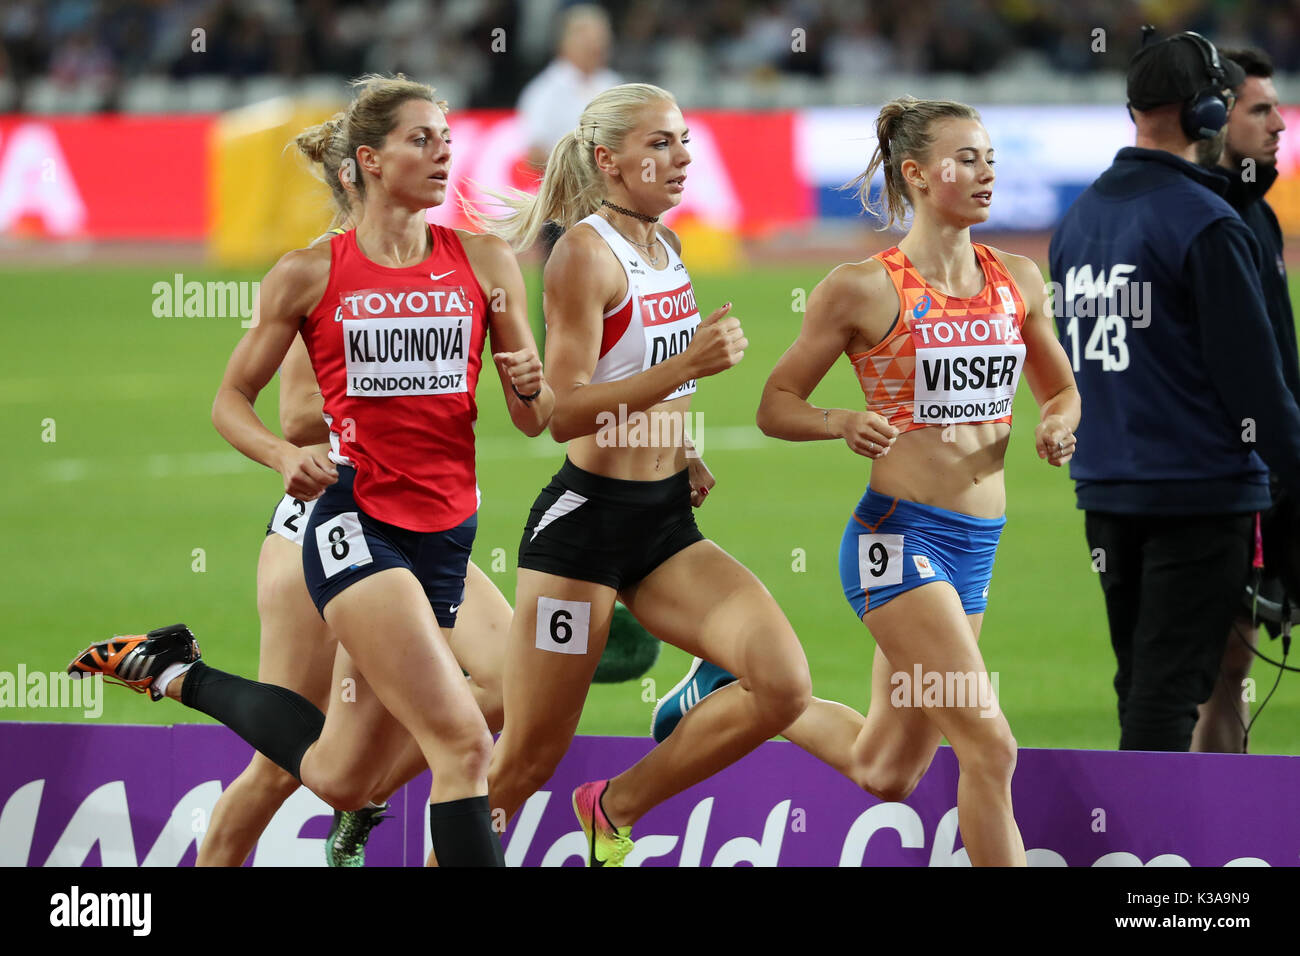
point(563, 626)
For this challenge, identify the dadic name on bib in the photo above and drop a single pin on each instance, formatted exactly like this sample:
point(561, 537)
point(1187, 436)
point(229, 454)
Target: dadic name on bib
point(670, 319)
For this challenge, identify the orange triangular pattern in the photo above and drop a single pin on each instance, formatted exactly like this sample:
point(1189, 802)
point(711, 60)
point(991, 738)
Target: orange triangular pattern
point(887, 372)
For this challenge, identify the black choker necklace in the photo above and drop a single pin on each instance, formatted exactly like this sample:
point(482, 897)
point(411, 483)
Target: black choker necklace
point(629, 212)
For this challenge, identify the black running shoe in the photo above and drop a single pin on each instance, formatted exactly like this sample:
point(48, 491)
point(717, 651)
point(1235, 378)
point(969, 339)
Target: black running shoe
point(135, 660)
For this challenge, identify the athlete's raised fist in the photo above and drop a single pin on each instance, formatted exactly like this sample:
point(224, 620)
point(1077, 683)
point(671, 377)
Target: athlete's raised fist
point(307, 472)
point(522, 368)
point(719, 343)
point(866, 433)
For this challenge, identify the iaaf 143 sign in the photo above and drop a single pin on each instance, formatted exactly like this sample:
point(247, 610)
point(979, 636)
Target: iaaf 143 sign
point(75, 795)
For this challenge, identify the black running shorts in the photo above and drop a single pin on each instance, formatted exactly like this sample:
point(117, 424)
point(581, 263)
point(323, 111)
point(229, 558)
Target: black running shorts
point(607, 530)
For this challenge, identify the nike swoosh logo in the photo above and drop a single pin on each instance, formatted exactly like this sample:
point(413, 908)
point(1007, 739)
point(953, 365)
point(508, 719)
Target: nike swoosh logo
point(443, 276)
point(454, 608)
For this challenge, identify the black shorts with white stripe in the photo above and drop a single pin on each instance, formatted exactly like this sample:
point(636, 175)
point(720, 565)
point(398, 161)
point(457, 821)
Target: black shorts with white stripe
point(607, 530)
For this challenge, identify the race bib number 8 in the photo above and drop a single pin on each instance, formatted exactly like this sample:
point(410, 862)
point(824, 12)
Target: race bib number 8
point(563, 626)
point(880, 560)
point(342, 544)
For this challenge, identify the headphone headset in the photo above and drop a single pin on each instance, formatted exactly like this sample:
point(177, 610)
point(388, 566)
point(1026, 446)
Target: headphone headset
point(1207, 112)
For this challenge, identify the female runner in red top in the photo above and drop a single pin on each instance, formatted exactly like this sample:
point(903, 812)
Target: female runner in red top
point(394, 315)
point(297, 649)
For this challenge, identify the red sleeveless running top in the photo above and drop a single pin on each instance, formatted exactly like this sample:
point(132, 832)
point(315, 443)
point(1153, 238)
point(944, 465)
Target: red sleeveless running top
point(397, 353)
point(947, 360)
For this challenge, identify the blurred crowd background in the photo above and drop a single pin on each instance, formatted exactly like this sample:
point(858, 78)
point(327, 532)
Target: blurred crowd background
point(145, 55)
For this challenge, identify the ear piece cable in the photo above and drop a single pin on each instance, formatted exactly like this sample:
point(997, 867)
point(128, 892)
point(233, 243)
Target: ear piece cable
point(1257, 574)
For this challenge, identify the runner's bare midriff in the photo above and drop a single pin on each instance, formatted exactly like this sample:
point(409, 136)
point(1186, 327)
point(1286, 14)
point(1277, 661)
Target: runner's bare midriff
point(645, 446)
point(963, 474)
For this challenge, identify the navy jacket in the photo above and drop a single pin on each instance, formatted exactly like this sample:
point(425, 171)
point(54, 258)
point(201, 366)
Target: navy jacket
point(1248, 199)
point(1161, 311)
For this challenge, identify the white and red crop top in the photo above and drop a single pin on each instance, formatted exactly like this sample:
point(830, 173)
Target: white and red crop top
point(655, 321)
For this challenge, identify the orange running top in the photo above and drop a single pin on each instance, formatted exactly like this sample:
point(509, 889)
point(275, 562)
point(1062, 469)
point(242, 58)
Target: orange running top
point(946, 360)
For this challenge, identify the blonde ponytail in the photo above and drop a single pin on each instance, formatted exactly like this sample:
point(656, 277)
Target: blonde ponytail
point(572, 186)
point(323, 147)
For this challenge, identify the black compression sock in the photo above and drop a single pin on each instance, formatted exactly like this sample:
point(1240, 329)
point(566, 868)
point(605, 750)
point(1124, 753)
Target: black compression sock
point(462, 833)
point(277, 722)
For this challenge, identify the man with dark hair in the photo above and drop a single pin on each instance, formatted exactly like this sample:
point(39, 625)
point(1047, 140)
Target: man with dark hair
point(1161, 311)
point(1249, 166)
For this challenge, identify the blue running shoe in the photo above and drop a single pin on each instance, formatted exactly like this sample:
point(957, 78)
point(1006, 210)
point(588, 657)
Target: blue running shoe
point(700, 681)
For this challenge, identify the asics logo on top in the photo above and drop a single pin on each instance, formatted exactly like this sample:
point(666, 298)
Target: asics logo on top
point(922, 306)
point(435, 278)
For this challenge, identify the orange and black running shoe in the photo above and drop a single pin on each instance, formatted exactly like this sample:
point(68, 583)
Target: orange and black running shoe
point(135, 660)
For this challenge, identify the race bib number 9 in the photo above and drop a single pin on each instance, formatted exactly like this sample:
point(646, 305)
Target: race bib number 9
point(670, 320)
point(880, 560)
point(407, 342)
point(967, 368)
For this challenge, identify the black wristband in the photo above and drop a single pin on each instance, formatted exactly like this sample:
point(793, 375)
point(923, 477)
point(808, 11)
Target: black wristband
point(526, 399)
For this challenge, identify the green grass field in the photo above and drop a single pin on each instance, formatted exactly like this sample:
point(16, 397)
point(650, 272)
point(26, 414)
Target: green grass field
point(102, 524)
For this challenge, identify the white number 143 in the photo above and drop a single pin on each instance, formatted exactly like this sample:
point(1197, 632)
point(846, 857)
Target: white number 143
point(1106, 343)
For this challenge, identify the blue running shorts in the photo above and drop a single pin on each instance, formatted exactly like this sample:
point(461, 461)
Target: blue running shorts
point(892, 545)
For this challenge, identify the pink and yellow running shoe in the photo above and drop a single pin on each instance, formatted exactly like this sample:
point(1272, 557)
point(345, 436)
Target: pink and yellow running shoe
point(607, 845)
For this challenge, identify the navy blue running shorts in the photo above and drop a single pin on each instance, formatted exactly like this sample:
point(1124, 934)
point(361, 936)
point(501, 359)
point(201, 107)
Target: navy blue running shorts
point(342, 544)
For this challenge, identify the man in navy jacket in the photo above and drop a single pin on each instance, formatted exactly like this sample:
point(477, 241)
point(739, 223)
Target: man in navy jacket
point(1161, 311)
point(1249, 166)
